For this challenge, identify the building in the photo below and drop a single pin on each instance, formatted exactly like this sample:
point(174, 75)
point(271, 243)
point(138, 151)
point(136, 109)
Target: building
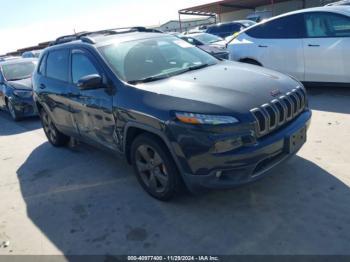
point(229, 10)
point(186, 24)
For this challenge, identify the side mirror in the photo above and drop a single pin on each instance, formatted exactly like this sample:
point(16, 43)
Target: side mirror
point(90, 82)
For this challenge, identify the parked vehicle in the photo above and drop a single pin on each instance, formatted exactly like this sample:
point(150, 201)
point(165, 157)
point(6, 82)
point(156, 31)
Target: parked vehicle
point(259, 16)
point(343, 2)
point(211, 44)
point(312, 45)
point(177, 113)
point(32, 54)
point(16, 93)
point(7, 58)
point(230, 28)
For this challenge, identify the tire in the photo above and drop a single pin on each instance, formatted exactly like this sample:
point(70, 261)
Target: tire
point(155, 168)
point(12, 111)
point(55, 137)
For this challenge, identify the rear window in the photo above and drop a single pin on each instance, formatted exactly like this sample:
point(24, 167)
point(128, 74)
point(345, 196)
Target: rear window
point(57, 65)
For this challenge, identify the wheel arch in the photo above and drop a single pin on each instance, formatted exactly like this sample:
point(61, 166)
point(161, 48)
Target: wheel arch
point(132, 130)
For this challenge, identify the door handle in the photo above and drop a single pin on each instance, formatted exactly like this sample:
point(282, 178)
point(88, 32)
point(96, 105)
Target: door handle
point(42, 86)
point(264, 46)
point(311, 45)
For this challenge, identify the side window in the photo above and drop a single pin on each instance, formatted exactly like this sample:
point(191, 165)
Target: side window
point(327, 25)
point(81, 66)
point(57, 65)
point(281, 28)
point(42, 66)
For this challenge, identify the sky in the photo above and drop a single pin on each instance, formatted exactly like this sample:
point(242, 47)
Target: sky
point(25, 23)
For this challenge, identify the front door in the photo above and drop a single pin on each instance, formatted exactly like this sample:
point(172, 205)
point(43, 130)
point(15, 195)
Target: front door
point(92, 109)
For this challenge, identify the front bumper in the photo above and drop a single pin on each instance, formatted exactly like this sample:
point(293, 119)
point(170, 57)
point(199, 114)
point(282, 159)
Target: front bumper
point(24, 107)
point(243, 165)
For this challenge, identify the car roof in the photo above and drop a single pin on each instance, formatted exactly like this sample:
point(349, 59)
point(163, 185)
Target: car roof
point(345, 10)
point(101, 40)
point(17, 61)
point(226, 23)
point(341, 9)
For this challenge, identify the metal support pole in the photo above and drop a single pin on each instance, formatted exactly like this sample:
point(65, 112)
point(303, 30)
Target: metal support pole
point(273, 7)
point(180, 22)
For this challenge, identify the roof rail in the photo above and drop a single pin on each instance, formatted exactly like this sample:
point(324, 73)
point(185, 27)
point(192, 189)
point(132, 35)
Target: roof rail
point(86, 36)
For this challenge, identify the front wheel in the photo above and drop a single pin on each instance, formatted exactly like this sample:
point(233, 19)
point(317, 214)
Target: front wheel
point(55, 137)
point(154, 167)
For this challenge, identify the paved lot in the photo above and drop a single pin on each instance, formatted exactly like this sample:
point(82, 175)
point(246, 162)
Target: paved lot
point(84, 201)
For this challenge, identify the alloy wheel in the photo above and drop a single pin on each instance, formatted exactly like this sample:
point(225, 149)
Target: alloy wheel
point(151, 168)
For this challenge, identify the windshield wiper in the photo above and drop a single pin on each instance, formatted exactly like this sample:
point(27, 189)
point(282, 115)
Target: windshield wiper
point(195, 67)
point(159, 77)
point(147, 79)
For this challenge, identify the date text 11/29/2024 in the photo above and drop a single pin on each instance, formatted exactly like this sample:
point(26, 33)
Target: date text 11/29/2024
point(173, 258)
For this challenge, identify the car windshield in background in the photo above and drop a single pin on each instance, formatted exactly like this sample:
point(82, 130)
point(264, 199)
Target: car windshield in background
point(18, 71)
point(154, 59)
point(208, 38)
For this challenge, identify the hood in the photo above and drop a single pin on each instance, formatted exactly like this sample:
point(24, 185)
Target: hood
point(22, 84)
point(228, 87)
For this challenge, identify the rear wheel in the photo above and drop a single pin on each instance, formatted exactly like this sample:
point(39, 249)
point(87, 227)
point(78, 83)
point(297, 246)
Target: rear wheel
point(55, 137)
point(12, 111)
point(154, 167)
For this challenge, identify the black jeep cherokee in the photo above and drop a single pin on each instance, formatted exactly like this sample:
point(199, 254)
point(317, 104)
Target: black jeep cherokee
point(176, 112)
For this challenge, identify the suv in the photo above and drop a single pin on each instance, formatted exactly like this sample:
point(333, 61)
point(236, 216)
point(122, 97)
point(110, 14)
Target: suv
point(16, 92)
point(177, 113)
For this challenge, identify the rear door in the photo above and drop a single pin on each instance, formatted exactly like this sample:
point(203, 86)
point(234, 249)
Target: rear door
point(327, 47)
point(54, 88)
point(278, 44)
point(92, 109)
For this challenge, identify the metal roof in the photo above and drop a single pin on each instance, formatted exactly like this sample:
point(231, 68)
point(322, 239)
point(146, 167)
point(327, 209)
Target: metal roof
point(225, 6)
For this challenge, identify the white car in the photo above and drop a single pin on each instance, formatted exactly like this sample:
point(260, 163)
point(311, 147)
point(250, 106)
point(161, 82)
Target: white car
point(313, 45)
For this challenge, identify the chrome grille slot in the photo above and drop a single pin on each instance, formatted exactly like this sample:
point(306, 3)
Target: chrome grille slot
point(261, 120)
point(289, 106)
point(279, 111)
point(295, 103)
point(272, 114)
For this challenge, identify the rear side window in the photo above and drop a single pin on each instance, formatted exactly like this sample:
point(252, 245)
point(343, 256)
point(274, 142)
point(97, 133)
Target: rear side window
point(57, 65)
point(42, 66)
point(81, 66)
point(285, 27)
point(327, 25)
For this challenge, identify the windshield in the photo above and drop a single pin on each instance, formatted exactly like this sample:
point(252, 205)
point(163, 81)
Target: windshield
point(208, 38)
point(154, 58)
point(18, 71)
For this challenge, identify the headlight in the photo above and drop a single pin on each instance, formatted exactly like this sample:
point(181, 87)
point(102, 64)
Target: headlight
point(197, 119)
point(23, 93)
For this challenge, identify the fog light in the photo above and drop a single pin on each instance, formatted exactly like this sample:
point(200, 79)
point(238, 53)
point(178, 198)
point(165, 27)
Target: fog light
point(218, 174)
